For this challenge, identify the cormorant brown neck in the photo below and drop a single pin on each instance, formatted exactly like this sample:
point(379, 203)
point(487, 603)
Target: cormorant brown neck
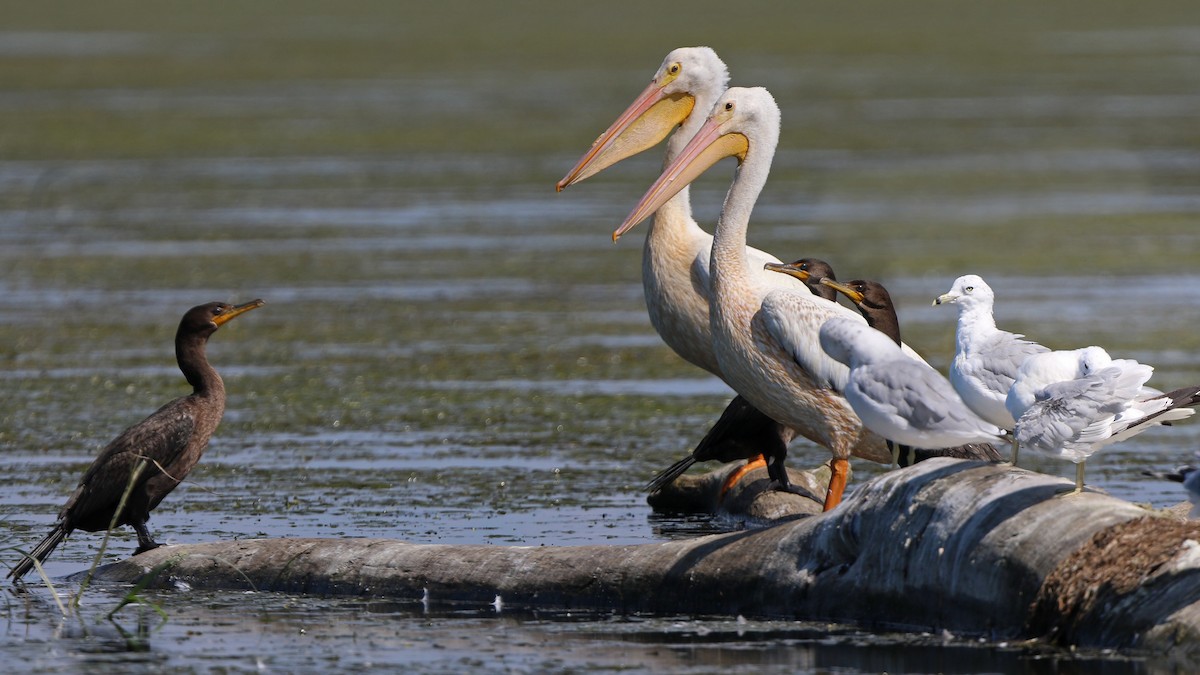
point(877, 308)
point(190, 353)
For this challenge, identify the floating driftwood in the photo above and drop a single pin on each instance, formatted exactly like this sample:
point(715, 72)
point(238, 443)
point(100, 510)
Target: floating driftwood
point(967, 547)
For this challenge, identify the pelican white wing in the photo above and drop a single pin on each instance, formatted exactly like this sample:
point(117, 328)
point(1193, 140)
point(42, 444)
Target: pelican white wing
point(794, 321)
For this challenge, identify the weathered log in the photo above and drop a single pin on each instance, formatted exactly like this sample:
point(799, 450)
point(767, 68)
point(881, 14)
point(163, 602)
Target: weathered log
point(951, 545)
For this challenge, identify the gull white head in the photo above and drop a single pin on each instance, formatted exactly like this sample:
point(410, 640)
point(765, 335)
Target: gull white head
point(1092, 360)
point(688, 77)
point(968, 291)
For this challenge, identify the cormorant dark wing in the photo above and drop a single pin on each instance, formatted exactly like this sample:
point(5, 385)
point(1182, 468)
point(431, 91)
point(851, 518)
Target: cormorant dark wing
point(159, 438)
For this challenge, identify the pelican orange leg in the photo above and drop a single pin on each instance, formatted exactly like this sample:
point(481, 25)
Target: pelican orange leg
point(839, 470)
point(756, 462)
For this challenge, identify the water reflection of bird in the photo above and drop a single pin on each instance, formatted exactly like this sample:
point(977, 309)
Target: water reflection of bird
point(898, 397)
point(1072, 403)
point(675, 259)
point(764, 335)
point(170, 441)
point(875, 304)
point(742, 431)
point(986, 359)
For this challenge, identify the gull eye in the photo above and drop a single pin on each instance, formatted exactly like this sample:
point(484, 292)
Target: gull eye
point(968, 289)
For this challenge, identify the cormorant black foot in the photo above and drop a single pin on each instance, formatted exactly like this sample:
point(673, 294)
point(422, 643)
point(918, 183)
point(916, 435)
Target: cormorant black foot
point(779, 478)
point(145, 541)
point(147, 546)
point(788, 487)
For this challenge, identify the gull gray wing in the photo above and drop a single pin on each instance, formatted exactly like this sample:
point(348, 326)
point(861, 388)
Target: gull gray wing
point(995, 364)
point(1069, 416)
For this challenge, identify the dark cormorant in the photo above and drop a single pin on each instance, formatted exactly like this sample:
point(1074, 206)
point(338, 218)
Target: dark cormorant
point(171, 441)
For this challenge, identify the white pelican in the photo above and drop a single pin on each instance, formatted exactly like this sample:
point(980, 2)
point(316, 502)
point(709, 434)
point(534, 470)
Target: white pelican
point(986, 359)
point(899, 397)
point(1072, 403)
point(675, 274)
point(764, 333)
point(675, 256)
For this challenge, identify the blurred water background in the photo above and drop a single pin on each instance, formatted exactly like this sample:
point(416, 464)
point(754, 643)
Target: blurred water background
point(453, 353)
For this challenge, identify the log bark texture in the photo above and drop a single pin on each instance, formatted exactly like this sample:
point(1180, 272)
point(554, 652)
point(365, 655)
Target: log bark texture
point(952, 545)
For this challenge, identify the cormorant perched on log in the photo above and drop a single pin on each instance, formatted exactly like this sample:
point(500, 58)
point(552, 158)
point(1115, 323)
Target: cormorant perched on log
point(170, 441)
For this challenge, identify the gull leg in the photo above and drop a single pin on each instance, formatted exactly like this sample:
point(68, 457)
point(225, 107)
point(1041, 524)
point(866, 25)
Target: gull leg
point(1016, 446)
point(1078, 489)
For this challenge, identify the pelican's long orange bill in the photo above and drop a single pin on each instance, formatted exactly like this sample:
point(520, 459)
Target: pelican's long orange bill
point(646, 121)
point(708, 147)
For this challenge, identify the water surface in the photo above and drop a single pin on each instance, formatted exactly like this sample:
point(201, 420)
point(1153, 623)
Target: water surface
point(453, 353)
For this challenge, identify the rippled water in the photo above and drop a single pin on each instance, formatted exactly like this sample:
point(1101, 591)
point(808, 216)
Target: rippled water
point(451, 352)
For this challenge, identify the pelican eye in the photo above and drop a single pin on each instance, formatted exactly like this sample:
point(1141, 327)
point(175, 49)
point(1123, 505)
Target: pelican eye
point(729, 105)
point(674, 69)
